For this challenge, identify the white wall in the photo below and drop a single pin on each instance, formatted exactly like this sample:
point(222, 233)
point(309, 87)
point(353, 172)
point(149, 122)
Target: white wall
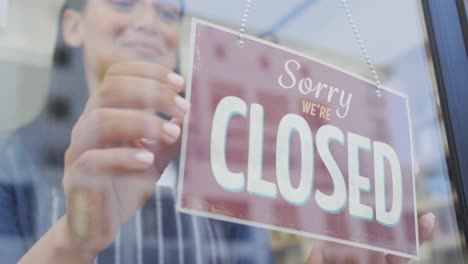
point(26, 45)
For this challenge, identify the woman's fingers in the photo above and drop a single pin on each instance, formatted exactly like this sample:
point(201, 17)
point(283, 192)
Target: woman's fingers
point(106, 127)
point(112, 161)
point(332, 253)
point(148, 71)
point(138, 93)
point(141, 85)
point(88, 184)
point(426, 225)
point(166, 152)
point(100, 170)
point(96, 168)
point(316, 256)
point(109, 173)
point(122, 109)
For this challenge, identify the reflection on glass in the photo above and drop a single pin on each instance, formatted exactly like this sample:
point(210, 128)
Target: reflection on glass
point(53, 64)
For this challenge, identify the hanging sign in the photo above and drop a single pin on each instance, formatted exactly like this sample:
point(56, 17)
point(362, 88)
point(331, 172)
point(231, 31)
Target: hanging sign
point(278, 140)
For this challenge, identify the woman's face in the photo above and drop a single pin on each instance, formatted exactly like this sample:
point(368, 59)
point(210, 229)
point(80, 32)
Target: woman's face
point(120, 30)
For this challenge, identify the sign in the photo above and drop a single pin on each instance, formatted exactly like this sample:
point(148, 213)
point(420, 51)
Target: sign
point(277, 140)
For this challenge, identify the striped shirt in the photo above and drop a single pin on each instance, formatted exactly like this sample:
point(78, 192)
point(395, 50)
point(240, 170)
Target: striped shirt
point(157, 233)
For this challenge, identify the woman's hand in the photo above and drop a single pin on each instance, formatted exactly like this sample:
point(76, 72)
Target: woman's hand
point(119, 149)
point(334, 253)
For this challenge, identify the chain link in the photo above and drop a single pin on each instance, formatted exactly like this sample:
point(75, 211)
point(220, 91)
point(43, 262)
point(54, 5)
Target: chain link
point(362, 47)
point(245, 18)
point(357, 36)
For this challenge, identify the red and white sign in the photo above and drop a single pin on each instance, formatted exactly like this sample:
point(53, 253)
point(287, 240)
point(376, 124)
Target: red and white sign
point(277, 140)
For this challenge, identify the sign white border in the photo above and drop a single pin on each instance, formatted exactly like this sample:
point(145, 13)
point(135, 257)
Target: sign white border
point(195, 22)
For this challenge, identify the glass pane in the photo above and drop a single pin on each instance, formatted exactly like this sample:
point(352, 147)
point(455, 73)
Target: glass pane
point(89, 126)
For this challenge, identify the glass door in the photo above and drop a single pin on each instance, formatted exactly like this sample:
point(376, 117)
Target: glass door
point(51, 49)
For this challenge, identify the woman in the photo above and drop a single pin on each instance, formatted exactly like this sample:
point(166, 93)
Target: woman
point(118, 149)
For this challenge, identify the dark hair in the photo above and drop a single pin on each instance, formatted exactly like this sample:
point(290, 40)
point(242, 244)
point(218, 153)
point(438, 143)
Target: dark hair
point(48, 135)
point(66, 100)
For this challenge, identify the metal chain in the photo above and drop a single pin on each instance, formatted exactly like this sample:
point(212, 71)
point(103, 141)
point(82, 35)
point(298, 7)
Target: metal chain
point(357, 35)
point(362, 47)
point(245, 17)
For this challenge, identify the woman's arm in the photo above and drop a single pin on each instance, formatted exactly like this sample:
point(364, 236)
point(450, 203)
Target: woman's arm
point(18, 191)
point(109, 171)
point(56, 246)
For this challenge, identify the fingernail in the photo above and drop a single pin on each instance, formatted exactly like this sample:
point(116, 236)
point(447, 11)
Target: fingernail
point(172, 129)
point(430, 220)
point(176, 79)
point(145, 157)
point(182, 104)
point(148, 141)
point(431, 217)
point(177, 121)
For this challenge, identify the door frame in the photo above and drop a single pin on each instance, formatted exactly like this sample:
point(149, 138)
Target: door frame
point(447, 27)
